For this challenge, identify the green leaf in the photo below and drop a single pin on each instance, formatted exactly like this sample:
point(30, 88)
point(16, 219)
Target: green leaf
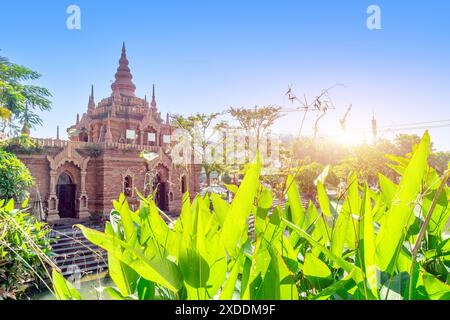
point(398, 217)
point(148, 264)
point(234, 233)
point(368, 240)
point(295, 203)
point(230, 284)
point(354, 271)
point(435, 289)
point(64, 290)
point(316, 271)
point(123, 276)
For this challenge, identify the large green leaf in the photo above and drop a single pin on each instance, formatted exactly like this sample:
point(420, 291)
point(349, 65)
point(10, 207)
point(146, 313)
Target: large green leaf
point(64, 290)
point(316, 271)
point(147, 263)
point(124, 277)
point(400, 216)
point(295, 202)
point(233, 233)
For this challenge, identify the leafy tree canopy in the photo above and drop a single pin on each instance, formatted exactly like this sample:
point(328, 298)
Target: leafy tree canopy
point(20, 102)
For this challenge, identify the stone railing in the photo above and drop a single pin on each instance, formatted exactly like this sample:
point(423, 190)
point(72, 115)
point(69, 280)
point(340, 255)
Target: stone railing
point(55, 143)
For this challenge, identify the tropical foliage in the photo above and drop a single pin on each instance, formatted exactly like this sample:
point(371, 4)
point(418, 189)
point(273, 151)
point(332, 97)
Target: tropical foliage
point(24, 251)
point(15, 179)
point(372, 245)
point(19, 100)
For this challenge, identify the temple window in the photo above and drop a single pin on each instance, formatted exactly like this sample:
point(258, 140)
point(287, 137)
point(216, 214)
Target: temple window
point(183, 185)
point(166, 138)
point(128, 186)
point(170, 196)
point(130, 135)
point(83, 136)
point(151, 138)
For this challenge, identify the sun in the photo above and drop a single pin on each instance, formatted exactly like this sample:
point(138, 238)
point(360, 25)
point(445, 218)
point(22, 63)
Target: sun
point(350, 139)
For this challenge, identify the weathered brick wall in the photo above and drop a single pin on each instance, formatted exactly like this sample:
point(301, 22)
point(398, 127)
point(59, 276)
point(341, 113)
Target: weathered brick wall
point(39, 169)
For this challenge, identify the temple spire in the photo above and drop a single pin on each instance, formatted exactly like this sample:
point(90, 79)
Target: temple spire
point(153, 104)
point(374, 128)
point(123, 76)
point(57, 132)
point(91, 104)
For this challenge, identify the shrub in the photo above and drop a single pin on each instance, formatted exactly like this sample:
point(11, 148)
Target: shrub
point(94, 150)
point(22, 145)
point(24, 251)
point(375, 245)
point(15, 179)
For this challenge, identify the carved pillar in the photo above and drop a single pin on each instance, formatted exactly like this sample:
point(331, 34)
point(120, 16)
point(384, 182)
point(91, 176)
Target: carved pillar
point(141, 135)
point(83, 207)
point(53, 213)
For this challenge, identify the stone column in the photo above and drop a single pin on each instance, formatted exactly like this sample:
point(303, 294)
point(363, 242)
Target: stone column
point(53, 213)
point(83, 211)
point(141, 135)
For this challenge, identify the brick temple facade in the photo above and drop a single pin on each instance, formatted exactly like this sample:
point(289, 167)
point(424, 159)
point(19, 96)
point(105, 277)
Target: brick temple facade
point(102, 157)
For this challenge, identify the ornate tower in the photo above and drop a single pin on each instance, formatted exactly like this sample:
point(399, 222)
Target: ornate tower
point(374, 129)
point(91, 104)
point(123, 83)
point(153, 104)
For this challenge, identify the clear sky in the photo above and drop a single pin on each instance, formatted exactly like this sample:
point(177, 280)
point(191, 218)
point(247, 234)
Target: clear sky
point(207, 55)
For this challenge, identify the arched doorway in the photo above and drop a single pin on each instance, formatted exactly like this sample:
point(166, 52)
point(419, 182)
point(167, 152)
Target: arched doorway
point(161, 193)
point(66, 192)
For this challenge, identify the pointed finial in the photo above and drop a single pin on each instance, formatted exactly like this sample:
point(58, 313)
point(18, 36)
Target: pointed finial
point(167, 118)
point(123, 76)
point(92, 92)
point(153, 104)
point(78, 118)
point(57, 132)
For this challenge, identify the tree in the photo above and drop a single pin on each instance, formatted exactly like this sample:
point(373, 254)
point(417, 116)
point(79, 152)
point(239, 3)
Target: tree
point(200, 128)
point(440, 161)
point(404, 142)
point(15, 179)
point(20, 102)
point(257, 120)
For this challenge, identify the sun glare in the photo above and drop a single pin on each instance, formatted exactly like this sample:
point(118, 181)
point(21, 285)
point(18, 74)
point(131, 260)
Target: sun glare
point(350, 139)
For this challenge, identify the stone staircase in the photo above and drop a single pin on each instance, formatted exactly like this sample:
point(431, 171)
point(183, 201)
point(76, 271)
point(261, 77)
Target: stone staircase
point(74, 255)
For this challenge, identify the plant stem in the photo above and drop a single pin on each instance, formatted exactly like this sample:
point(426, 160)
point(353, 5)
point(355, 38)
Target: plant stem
point(423, 229)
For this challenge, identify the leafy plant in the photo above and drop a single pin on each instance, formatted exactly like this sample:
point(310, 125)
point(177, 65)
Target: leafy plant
point(15, 179)
point(374, 245)
point(24, 251)
point(94, 150)
point(20, 102)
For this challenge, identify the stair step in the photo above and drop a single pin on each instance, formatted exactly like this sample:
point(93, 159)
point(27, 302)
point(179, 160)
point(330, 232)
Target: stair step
point(76, 248)
point(85, 271)
point(62, 259)
point(83, 266)
point(70, 243)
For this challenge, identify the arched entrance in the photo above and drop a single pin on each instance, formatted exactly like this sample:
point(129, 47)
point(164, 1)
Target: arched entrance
point(161, 193)
point(66, 192)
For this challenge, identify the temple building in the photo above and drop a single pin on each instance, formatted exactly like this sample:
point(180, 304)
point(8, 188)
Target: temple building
point(103, 157)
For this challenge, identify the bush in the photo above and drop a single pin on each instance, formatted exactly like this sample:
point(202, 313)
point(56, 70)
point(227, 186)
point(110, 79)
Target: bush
point(94, 150)
point(24, 251)
point(22, 145)
point(373, 246)
point(15, 179)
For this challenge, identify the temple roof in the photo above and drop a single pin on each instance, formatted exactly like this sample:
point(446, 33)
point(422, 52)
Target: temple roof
point(123, 77)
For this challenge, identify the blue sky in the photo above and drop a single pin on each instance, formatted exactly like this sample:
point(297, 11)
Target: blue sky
point(205, 56)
